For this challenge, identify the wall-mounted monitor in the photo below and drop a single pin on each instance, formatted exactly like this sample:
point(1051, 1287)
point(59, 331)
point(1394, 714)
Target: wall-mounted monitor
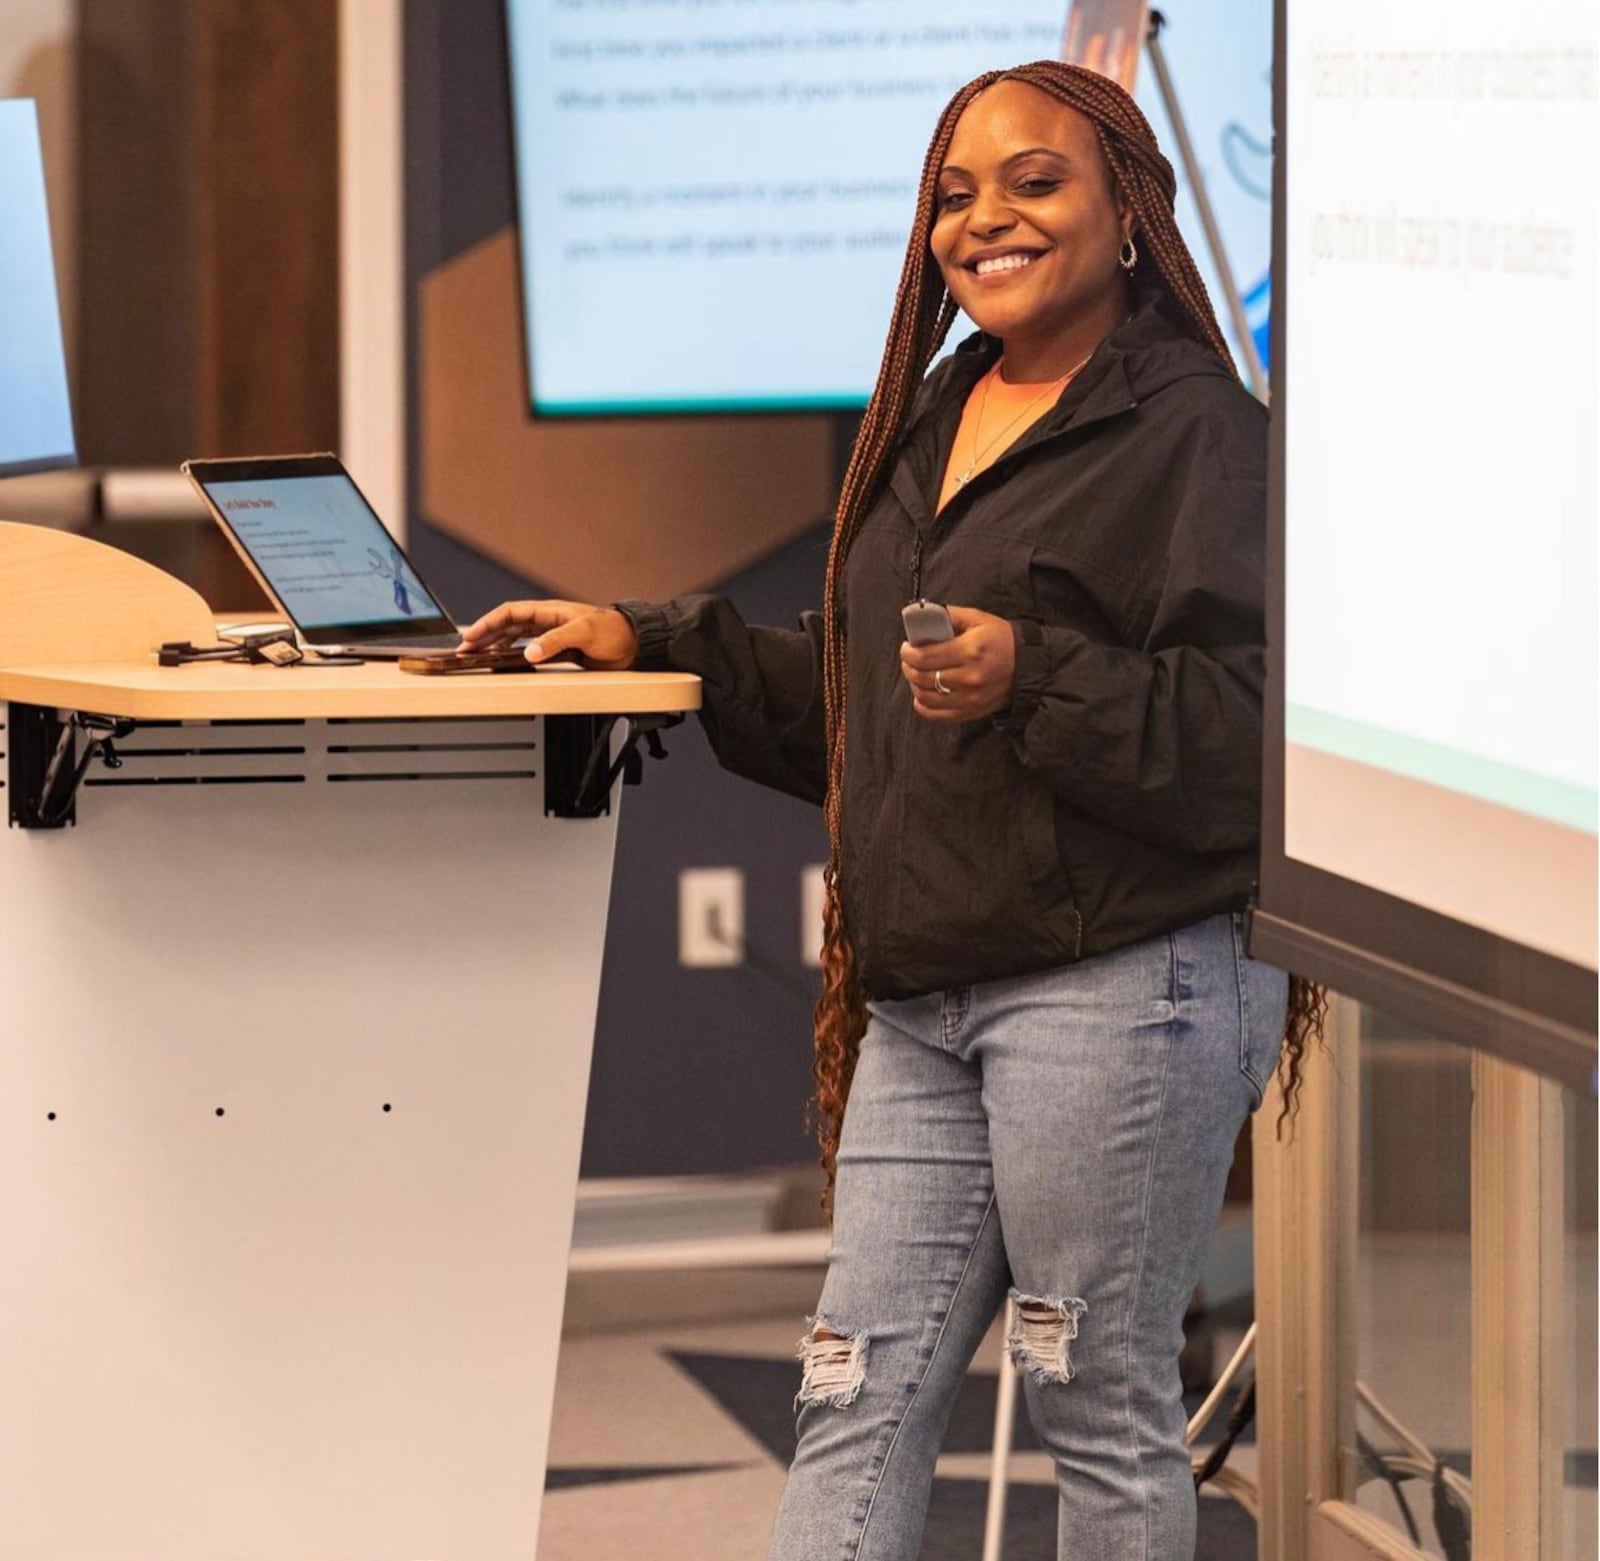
point(1431, 777)
point(714, 198)
point(35, 408)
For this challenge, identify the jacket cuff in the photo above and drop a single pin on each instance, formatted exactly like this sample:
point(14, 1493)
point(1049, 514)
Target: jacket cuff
point(1032, 672)
point(652, 629)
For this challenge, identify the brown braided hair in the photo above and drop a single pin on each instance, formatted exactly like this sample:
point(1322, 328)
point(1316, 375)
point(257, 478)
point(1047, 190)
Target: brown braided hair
point(923, 314)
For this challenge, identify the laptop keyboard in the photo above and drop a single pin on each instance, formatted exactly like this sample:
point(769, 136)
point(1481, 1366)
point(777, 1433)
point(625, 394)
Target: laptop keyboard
point(431, 641)
point(414, 642)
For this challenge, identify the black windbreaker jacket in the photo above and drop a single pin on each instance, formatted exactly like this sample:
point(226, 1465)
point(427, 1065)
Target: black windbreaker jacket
point(1119, 796)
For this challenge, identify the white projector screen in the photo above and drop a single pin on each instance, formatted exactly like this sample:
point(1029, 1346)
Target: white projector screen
point(714, 195)
point(35, 412)
point(1435, 398)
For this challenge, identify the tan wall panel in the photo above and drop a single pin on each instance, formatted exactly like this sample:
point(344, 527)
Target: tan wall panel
point(207, 225)
point(266, 195)
point(134, 388)
point(595, 508)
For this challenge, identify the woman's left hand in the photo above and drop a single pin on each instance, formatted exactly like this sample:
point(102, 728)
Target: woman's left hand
point(965, 678)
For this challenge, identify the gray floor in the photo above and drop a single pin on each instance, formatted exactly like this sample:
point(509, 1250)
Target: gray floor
point(673, 1411)
point(672, 1406)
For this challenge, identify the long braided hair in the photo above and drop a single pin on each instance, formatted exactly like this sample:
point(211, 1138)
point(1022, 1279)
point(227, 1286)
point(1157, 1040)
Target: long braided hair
point(923, 315)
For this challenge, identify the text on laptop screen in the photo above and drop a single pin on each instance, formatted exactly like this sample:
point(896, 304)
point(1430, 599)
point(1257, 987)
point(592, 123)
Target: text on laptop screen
point(325, 554)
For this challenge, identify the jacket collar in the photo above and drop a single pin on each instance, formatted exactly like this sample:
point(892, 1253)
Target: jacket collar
point(1148, 351)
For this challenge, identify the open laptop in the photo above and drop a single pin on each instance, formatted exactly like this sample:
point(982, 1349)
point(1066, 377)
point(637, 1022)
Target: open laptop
point(319, 551)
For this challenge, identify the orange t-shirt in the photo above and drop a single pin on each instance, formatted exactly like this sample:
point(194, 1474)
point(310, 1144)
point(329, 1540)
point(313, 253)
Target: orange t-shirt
point(996, 415)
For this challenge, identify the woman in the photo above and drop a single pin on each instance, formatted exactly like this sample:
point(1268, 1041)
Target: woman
point(1043, 830)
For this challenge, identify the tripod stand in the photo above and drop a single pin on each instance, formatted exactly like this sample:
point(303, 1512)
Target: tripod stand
point(1255, 375)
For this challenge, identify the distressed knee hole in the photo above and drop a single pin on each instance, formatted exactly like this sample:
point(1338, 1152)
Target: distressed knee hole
point(1042, 1326)
point(833, 1365)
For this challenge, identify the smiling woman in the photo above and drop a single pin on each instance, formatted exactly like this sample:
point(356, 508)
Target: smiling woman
point(1043, 829)
point(1028, 240)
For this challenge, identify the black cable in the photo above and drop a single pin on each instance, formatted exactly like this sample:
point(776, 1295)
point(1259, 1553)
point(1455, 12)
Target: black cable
point(599, 753)
point(278, 650)
point(60, 790)
point(758, 959)
point(1242, 1413)
point(627, 764)
point(1378, 1464)
point(1451, 1523)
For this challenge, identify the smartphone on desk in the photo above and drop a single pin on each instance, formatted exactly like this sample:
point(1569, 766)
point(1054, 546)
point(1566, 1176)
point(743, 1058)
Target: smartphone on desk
point(488, 661)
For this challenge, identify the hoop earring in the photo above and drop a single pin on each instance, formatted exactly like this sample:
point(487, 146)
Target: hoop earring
point(1127, 256)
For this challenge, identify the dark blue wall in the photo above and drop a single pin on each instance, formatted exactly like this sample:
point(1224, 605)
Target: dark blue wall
point(694, 1069)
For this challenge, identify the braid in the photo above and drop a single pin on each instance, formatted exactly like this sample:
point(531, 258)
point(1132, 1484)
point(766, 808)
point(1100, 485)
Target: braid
point(923, 314)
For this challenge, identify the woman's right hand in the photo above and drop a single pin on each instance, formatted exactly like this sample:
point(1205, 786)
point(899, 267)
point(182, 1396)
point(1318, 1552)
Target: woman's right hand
point(601, 635)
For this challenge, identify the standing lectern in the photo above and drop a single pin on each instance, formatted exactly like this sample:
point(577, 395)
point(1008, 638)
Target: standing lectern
point(298, 974)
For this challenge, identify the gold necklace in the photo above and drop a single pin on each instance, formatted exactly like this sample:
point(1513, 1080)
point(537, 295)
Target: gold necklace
point(1057, 385)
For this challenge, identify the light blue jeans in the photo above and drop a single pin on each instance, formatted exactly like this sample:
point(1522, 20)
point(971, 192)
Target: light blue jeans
point(1066, 1136)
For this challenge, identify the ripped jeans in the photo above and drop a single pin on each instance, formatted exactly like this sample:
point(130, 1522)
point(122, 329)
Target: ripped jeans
point(1064, 1135)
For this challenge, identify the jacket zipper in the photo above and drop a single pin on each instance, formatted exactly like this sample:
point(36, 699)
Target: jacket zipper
point(937, 519)
point(1027, 444)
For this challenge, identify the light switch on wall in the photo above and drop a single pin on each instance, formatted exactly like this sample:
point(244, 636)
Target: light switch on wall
point(711, 916)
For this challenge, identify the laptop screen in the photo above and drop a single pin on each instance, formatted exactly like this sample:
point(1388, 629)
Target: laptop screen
point(327, 557)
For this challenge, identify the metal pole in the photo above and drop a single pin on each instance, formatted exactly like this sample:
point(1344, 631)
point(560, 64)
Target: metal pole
point(1255, 375)
point(1005, 1416)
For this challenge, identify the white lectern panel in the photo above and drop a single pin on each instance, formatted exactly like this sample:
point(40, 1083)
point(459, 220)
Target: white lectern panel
point(292, 1078)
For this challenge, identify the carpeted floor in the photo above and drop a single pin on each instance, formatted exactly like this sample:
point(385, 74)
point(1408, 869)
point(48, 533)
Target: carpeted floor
point(673, 1419)
point(671, 1436)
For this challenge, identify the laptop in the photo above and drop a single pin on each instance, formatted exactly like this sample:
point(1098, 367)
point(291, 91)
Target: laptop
point(319, 551)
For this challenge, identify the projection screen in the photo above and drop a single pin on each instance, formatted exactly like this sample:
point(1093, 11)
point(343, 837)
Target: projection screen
point(714, 195)
point(1430, 770)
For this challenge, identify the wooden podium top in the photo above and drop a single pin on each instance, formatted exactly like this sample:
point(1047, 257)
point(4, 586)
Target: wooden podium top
point(223, 691)
point(79, 622)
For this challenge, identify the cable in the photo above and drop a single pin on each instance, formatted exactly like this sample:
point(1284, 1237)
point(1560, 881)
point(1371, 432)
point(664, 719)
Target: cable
point(758, 959)
point(1202, 1416)
point(1239, 1417)
point(1422, 1459)
point(276, 648)
point(1381, 1469)
point(1450, 1491)
point(1450, 1523)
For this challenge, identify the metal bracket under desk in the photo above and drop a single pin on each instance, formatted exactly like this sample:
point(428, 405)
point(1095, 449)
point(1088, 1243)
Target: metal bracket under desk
point(46, 764)
point(43, 765)
point(579, 771)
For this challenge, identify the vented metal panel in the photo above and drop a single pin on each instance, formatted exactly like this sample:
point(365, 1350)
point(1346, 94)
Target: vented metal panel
point(242, 753)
